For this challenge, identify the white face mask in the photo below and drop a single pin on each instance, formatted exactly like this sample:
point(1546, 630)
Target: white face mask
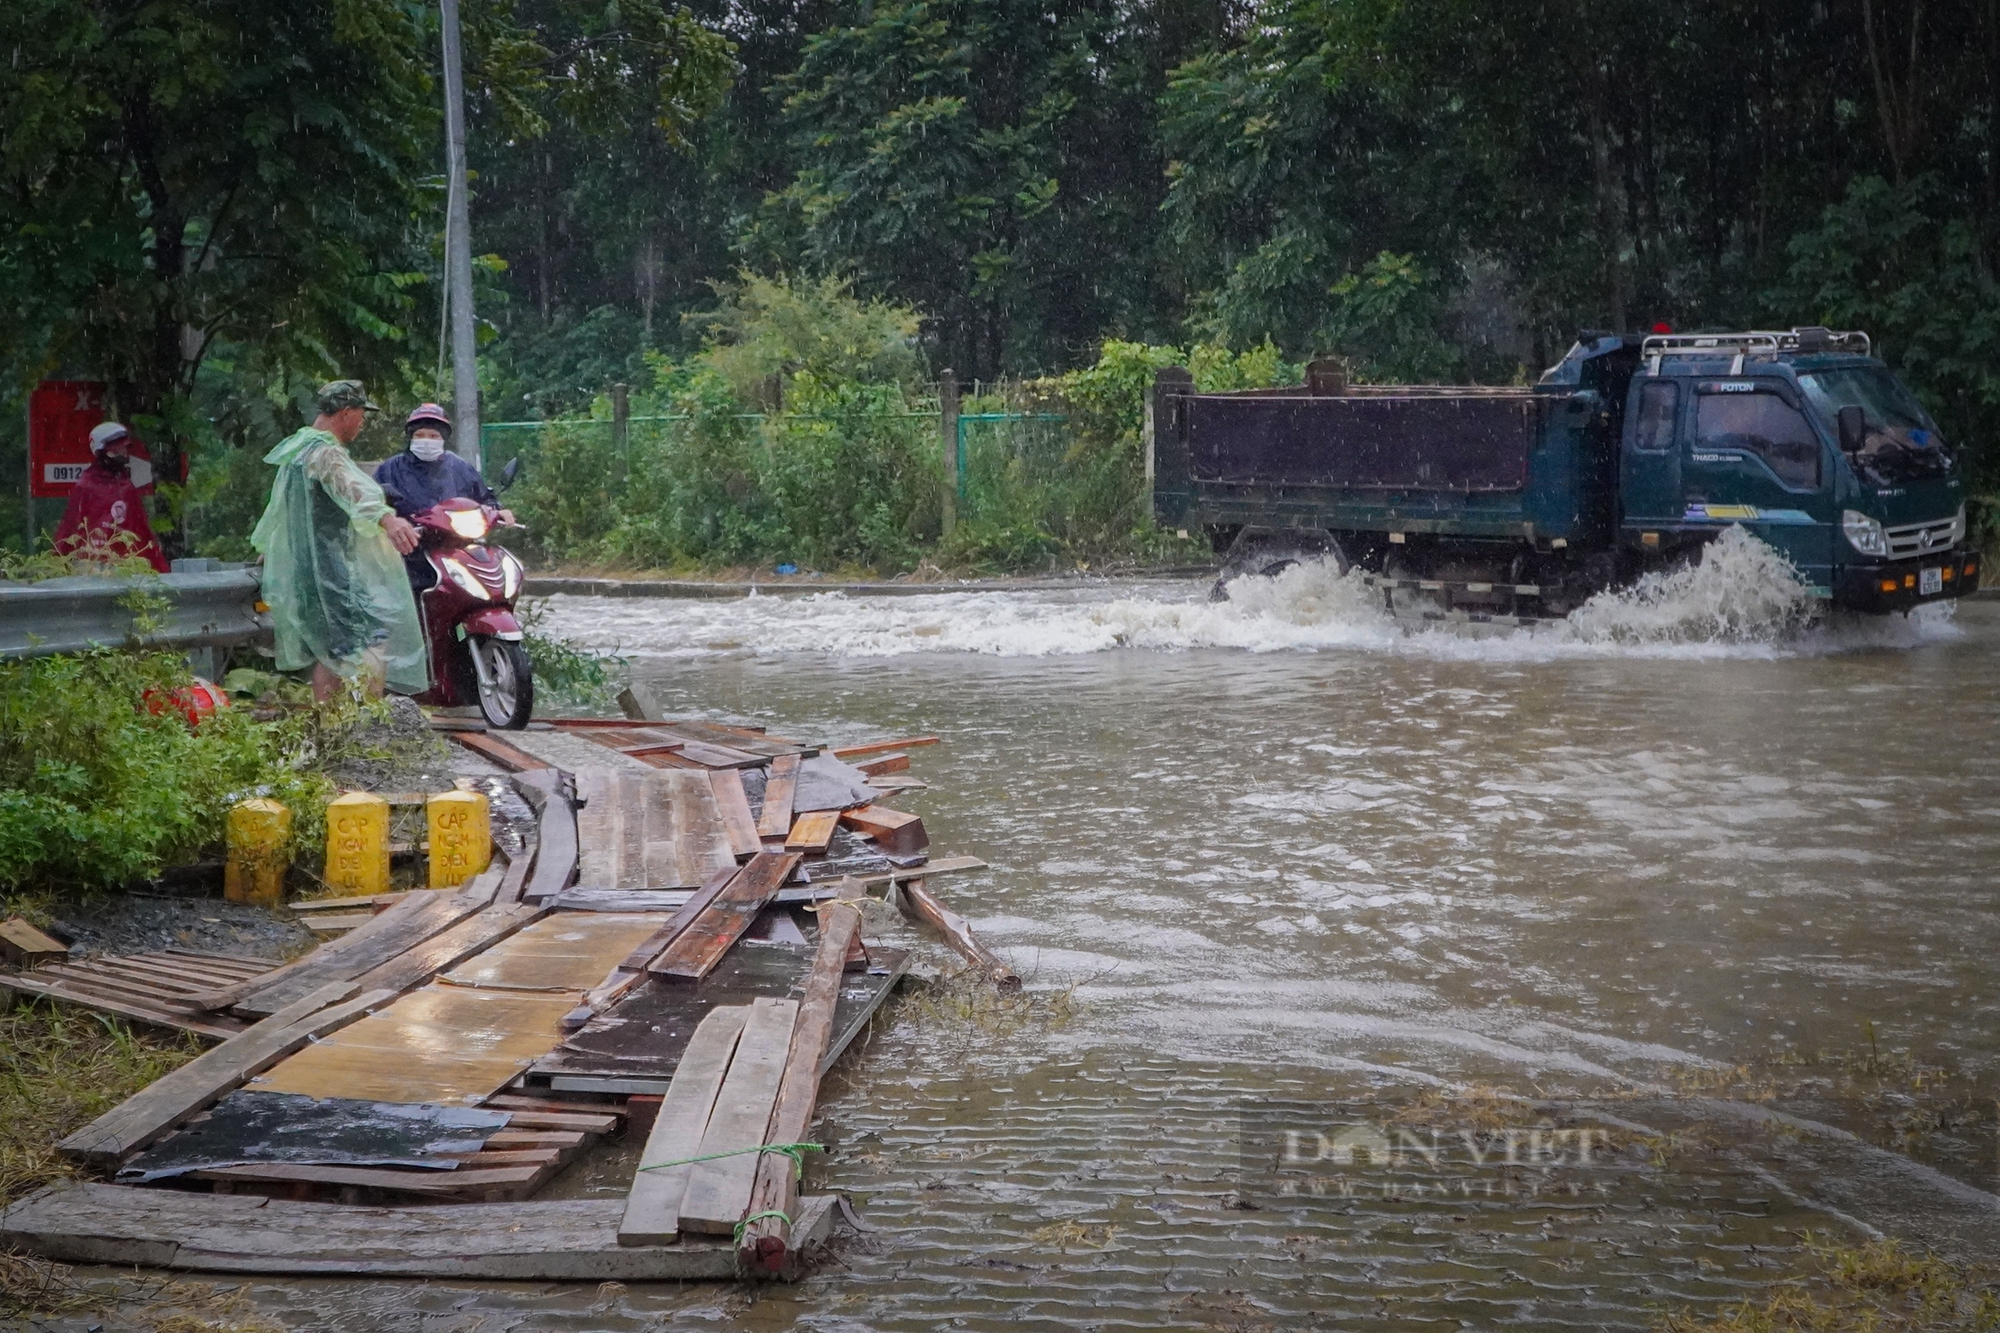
point(428, 450)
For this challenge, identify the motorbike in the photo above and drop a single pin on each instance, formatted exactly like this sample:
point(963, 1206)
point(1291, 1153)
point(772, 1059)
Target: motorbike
point(468, 616)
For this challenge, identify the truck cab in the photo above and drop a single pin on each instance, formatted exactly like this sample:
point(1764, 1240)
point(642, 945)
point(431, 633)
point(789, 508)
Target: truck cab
point(1810, 443)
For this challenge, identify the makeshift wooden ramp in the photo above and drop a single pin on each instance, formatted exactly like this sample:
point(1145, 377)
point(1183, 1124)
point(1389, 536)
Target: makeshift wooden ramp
point(569, 1240)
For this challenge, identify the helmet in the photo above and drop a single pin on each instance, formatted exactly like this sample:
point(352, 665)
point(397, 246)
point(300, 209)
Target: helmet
point(427, 414)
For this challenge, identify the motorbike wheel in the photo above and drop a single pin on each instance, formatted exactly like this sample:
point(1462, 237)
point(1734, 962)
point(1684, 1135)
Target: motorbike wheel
point(506, 682)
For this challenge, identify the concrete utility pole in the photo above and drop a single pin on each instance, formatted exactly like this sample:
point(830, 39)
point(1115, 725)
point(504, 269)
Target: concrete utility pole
point(458, 250)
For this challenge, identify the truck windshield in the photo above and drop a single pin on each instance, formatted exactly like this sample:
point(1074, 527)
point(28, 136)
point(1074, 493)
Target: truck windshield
point(1901, 443)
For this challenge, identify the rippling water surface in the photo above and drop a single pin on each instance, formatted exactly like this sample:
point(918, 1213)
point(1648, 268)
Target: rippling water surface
point(1286, 850)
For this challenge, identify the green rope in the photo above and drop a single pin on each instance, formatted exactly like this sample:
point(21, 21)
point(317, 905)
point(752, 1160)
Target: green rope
point(796, 1151)
point(744, 1225)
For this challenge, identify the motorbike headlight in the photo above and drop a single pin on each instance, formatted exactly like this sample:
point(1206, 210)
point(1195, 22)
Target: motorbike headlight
point(511, 575)
point(467, 581)
point(468, 523)
point(1863, 533)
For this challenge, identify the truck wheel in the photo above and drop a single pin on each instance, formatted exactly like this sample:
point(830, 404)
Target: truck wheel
point(506, 682)
point(1268, 555)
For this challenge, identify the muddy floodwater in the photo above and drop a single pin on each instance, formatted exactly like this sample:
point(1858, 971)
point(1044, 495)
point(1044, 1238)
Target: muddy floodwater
point(1428, 977)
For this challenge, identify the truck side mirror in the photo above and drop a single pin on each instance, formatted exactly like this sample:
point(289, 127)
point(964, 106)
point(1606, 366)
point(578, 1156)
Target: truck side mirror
point(508, 473)
point(1853, 423)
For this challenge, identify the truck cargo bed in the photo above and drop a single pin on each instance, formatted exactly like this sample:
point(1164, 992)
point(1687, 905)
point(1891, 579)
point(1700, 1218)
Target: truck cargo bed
point(1390, 439)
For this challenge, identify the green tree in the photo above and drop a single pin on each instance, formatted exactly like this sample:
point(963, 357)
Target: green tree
point(180, 177)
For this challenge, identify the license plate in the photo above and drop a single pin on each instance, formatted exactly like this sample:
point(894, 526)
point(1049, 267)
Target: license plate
point(1930, 581)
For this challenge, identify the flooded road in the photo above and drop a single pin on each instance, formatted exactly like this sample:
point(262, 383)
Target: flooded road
point(1586, 968)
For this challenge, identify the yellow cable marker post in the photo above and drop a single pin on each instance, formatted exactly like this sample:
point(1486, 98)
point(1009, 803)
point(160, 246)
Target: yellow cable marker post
point(258, 833)
point(357, 844)
point(461, 836)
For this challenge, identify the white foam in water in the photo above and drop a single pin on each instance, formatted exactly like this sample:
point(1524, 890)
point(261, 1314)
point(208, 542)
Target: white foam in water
point(1742, 600)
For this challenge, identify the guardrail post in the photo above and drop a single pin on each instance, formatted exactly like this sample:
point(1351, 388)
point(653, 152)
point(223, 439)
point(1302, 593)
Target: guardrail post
point(948, 438)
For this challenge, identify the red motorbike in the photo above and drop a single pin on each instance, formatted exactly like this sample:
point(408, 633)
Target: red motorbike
point(468, 613)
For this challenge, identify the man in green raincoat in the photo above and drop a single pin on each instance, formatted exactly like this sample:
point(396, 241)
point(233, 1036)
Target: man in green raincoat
point(333, 573)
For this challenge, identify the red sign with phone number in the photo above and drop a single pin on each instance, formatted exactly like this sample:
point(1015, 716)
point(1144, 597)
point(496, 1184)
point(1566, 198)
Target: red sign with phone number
point(60, 415)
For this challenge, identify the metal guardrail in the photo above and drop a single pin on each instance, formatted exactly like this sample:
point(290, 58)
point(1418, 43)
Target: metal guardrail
point(205, 609)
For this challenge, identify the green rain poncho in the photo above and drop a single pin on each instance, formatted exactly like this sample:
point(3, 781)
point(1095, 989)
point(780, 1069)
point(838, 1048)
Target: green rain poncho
point(336, 587)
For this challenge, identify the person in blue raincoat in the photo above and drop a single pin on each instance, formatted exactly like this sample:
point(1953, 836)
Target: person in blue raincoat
point(333, 574)
point(427, 473)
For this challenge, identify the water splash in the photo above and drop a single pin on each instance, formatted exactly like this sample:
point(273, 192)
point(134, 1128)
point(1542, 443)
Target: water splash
point(1739, 591)
point(1742, 599)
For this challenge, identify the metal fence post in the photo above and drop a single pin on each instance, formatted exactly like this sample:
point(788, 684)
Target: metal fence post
point(621, 427)
point(948, 433)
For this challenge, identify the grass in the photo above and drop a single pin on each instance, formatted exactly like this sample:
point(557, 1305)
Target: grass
point(1879, 1287)
point(59, 1069)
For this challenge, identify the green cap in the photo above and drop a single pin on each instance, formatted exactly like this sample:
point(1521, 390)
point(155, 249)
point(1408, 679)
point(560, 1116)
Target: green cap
point(343, 394)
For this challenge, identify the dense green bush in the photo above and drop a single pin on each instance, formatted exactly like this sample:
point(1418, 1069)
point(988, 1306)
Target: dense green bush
point(801, 435)
point(97, 789)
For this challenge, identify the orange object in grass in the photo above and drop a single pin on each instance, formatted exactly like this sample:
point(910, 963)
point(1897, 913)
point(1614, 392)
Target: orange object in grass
point(193, 701)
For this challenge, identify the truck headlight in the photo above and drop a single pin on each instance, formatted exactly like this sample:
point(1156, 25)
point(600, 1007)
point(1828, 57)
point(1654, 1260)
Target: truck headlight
point(1958, 526)
point(467, 581)
point(511, 574)
point(1864, 534)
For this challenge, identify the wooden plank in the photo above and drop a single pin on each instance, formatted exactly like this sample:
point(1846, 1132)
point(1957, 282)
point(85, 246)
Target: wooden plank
point(580, 1122)
point(881, 747)
point(445, 951)
point(764, 1242)
point(682, 841)
point(221, 962)
point(919, 904)
point(488, 746)
point(739, 738)
point(724, 920)
point(173, 1097)
point(529, 1138)
point(515, 1101)
point(950, 865)
point(403, 926)
point(454, 1045)
point(555, 865)
point(718, 1190)
point(895, 832)
point(652, 1208)
point(776, 819)
point(165, 974)
point(139, 981)
point(147, 1015)
point(516, 878)
point(597, 817)
point(568, 951)
point(883, 764)
point(632, 970)
point(812, 832)
point(22, 945)
point(336, 923)
point(360, 902)
point(733, 807)
point(499, 1182)
point(130, 990)
point(555, 1240)
point(709, 755)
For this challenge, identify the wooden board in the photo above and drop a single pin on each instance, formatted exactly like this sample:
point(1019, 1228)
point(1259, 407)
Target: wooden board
point(882, 764)
point(450, 1044)
point(649, 830)
point(652, 1209)
point(718, 1191)
point(147, 1012)
point(776, 819)
point(21, 945)
point(722, 922)
point(813, 832)
point(732, 806)
point(550, 792)
point(488, 746)
point(570, 952)
point(331, 924)
point(881, 747)
point(894, 832)
point(635, 1046)
point(475, 934)
point(178, 1094)
point(558, 1240)
point(474, 1181)
point(404, 926)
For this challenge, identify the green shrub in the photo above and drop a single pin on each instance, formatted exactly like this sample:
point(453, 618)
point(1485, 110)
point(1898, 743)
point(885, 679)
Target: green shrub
point(98, 790)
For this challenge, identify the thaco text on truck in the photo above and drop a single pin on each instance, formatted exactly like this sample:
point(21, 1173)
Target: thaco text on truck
point(1625, 458)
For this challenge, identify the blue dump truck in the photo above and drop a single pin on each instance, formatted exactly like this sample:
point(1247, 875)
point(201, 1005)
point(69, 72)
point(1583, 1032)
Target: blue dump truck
point(1514, 504)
